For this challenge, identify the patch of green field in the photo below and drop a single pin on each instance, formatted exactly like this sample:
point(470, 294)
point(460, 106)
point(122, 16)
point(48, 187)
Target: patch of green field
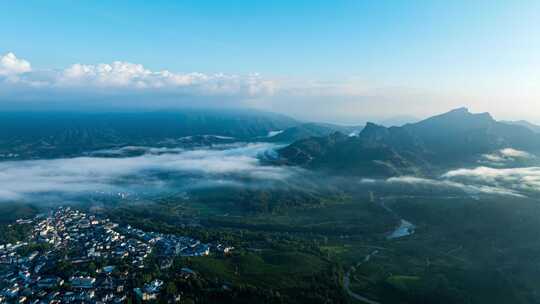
point(352, 218)
point(336, 250)
point(403, 282)
point(212, 268)
point(270, 269)
point(294, 262)
point(9, 212)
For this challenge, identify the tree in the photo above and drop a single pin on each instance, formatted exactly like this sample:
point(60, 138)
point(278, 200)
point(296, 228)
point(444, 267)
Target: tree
point(171, 289)
point(92, 267)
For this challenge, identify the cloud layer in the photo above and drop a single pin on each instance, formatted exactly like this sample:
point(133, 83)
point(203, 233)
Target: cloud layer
point(350, 99)
point(155, 168)
point(525, 179)
point(127, 78)
point(470, 188)
point(506, 156)
point(126, 85)
point(517, 181)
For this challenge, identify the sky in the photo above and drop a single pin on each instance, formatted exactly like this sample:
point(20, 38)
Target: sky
point(334, 61)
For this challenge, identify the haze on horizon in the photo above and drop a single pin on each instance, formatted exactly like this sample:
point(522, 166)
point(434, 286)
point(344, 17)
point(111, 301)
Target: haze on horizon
point(334, 61)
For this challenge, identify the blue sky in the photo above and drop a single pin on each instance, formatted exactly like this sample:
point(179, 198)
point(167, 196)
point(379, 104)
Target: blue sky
point(483, 54)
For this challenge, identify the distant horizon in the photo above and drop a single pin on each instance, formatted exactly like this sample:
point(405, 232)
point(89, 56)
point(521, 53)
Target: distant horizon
point(396, 120)
point(282, 152)
point(325, 61)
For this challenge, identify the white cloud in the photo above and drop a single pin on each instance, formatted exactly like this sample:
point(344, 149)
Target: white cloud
point(234, 165)
point(11, 65)
point(468, 188)
point(505, 156)
point(120, 84)
point(494, 158)
point(518, 179)
point(126, 77)
point(423, 181)
point(135, 76)
point(509, 152)
point(445, 185)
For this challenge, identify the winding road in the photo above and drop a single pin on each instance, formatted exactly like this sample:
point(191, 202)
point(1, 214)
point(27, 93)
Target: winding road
point(347, 281)
point(405, 228)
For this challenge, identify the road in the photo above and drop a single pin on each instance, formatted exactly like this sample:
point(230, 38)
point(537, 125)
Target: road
point(409, 230)
point(347, 281)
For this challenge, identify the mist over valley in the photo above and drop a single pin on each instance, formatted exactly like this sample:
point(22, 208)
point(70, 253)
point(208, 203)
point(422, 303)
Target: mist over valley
point(272, 152)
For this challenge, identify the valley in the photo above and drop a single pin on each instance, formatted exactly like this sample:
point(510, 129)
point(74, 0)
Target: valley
point(269, 152)
point(369, 217)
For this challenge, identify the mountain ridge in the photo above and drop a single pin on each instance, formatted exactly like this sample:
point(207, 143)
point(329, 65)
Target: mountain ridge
point(59, 134)
point(450, 139)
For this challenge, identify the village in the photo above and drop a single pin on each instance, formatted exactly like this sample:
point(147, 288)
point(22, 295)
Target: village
point(101, 257)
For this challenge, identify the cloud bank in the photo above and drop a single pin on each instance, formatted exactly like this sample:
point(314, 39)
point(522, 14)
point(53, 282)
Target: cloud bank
point(127, 85)
point(516, 182)
point(470, 188)
point(121, 79)
point(347, 99)
point(506, 156)
point(155, 169)
point(135, 76)
point(516, 179)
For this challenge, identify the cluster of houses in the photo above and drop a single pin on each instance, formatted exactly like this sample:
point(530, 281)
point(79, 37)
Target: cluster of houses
point(150, 290)
point(169, 244)
point(31, 271)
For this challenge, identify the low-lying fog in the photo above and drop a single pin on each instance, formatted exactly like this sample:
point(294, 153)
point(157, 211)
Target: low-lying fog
point(131, 169)
point(507, 172)
point(134, 171)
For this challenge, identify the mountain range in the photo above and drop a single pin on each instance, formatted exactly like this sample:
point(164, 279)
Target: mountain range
point(58, 134)
point(456, 138)
point(25, 135)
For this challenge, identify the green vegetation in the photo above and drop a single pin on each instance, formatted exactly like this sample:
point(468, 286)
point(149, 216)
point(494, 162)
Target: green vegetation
point(26, 135)
point(269, 269)
point(13, 233)
point(403, 283)
point(324, 239)
point(10, 212)
point(464, 250)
